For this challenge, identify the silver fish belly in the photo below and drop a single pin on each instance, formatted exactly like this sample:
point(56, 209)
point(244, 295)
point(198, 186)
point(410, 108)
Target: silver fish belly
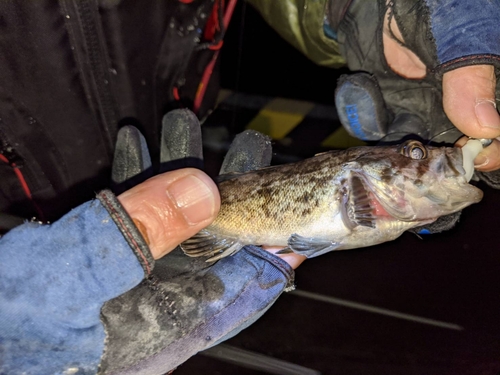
point(337, 200)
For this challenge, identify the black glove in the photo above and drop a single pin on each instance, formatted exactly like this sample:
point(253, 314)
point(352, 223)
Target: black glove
point(187, 305)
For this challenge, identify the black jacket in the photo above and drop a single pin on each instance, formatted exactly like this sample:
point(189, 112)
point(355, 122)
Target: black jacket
point(72, 72)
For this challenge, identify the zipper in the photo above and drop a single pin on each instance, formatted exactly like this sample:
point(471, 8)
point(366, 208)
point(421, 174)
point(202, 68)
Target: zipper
point(95, 51)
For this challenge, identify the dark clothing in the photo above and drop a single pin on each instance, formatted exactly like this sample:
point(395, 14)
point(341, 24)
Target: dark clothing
point(72, 72)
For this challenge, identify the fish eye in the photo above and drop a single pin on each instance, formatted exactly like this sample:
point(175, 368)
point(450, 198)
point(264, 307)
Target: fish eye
point(413, 150)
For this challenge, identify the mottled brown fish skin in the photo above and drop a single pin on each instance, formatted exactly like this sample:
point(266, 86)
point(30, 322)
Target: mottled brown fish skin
point(337, 200)
point(279, 199)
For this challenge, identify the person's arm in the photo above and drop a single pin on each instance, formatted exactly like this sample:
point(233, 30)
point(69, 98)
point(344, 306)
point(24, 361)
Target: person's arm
point(54, 280)
point(58, 282)
point(188, 305)
point(431, 71)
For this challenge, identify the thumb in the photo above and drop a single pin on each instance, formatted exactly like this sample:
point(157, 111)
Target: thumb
point(172, 207)
point(469, 100)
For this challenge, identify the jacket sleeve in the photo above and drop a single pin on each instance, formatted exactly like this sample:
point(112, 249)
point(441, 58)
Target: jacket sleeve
point(302, 24)
point(72, 300)
point(54, 280)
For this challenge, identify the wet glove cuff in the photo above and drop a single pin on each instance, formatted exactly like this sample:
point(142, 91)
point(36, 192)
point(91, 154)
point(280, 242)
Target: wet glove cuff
point(449, 34)
point(128, 230)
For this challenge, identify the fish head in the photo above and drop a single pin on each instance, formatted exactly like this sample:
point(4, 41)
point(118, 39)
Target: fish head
point(412, 182)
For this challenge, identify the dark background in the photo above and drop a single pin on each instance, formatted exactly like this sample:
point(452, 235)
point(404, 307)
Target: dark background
point(451, 277)
point(256, 60)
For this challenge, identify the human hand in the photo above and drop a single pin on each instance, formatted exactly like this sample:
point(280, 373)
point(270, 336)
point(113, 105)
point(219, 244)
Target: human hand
point(186, 304)
point(173, 206)
point(468, 93)
point(469, 101)
point(430, 77)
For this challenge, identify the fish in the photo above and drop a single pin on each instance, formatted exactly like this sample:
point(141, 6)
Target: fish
point(337, 200)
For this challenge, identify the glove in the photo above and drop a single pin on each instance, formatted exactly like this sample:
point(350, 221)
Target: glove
point(376, 104)
point(187, 305)
point(379, 104)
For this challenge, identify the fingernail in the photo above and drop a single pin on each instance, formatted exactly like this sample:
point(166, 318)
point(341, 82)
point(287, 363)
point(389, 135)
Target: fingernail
point(487, 114)
point(481, 161)
point(194, 199)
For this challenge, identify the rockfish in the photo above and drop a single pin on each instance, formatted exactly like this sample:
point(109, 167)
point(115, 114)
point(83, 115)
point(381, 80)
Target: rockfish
point(337, 200)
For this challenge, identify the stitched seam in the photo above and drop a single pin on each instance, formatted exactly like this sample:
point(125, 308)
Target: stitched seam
point(467, 58)
point(128, 234)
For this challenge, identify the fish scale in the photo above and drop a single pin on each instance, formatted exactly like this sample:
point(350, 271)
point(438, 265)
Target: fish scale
point(336, 200)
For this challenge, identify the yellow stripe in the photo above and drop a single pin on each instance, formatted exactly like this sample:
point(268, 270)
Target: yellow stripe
point(280, 116)
point(340, 138)
point(200, 86)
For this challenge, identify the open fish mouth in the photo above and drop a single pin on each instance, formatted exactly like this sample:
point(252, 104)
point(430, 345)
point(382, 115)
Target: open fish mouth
point(369, 199)
point(365, 203)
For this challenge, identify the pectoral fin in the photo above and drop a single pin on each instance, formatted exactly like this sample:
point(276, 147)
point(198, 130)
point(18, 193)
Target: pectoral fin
point(207, 244)
point(310, 246)
point(285, 250)
point(362, 211)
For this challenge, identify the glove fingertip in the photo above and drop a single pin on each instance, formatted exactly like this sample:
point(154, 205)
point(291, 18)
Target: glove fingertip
point(131, 158)
point(442, 224)
point(249, 151)
point(181, 144)
point(361, 107)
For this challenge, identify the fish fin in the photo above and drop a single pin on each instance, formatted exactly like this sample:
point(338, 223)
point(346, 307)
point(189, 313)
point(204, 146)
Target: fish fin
point(321, 153)
point(233, 175)
point(361, 208)
point(328, 152)
point(227, 252)
point(310, 246)
point(204, 243)
point(227, 176)
point(285, 250)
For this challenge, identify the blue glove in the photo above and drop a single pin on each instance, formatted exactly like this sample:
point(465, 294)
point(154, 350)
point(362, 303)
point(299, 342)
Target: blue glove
point(67, 297)
point(187, 305)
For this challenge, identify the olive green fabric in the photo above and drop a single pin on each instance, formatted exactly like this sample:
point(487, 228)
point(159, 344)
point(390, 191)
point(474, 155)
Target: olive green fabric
point(300, 22)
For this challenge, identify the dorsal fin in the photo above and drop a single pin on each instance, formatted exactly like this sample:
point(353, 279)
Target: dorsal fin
point(227, 176)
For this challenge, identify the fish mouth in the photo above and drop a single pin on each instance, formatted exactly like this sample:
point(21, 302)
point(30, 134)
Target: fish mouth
point(368, 200)
point(364, 204)
point(457, 161)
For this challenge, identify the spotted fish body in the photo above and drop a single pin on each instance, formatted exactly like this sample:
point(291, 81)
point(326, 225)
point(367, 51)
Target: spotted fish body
point(337, 200)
